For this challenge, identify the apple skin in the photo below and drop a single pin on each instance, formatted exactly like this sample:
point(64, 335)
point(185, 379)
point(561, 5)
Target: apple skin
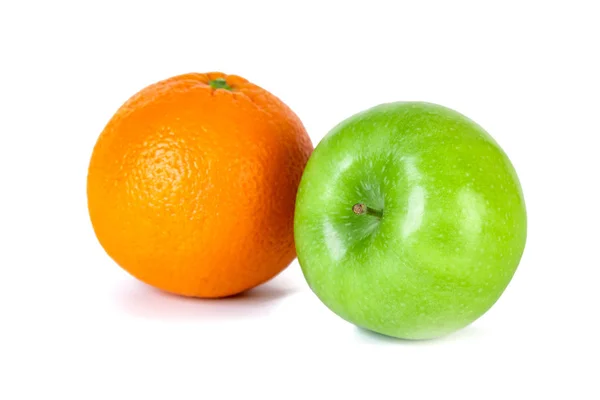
point(453, 225)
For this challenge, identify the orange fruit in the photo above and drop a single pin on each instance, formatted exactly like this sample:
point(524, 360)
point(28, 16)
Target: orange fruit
point(192, 184)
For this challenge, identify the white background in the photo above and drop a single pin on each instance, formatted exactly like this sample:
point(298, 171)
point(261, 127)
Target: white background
point(75, 326)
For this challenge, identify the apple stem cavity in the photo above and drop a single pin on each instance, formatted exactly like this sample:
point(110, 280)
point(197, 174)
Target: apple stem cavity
point(361, 208)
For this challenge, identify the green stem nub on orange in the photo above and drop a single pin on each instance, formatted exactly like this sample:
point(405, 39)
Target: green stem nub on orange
point(219, 83)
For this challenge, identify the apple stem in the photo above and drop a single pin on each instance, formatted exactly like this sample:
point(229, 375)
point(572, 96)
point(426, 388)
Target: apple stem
point(361, 208)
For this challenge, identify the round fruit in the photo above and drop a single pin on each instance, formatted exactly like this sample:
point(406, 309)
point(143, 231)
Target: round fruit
point(410, 220)
point(191, 186)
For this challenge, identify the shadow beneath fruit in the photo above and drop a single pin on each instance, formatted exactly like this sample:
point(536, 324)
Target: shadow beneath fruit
point(471, 332)
point(140, 300)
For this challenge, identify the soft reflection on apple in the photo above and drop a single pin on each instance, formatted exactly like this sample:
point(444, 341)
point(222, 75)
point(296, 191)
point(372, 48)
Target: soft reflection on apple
point(410, 220)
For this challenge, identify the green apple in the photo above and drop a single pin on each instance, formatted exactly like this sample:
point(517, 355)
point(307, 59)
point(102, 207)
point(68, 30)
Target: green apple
point(410, 220)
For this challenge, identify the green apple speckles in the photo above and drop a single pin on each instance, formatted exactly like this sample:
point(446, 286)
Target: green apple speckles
point(445, 227)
